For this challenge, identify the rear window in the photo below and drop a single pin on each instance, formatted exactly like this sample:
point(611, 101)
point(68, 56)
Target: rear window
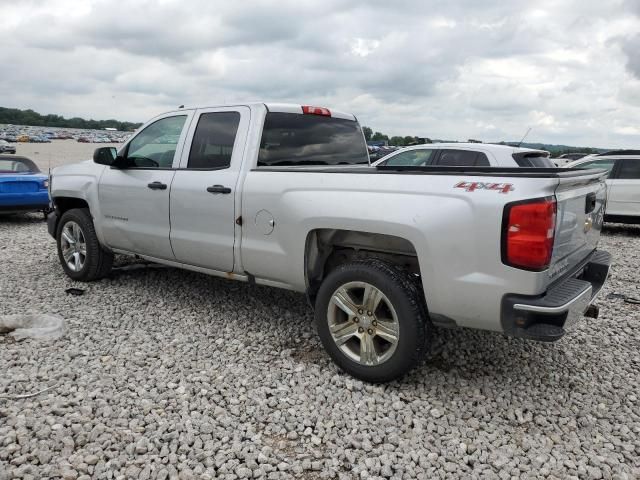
point(533, 160)
point(18, 165)
point(297, 139)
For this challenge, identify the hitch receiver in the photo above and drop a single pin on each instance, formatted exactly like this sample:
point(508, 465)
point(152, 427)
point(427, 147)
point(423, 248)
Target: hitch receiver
point(592, 311)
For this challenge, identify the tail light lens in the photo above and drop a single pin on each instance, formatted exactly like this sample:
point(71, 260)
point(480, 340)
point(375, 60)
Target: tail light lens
point(309, 110)
point(527, 234)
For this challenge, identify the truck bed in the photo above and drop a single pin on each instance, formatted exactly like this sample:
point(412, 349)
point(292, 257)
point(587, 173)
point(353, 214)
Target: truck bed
point(527, 172)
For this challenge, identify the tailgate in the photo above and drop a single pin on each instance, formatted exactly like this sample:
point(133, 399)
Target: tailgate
point(580, 211)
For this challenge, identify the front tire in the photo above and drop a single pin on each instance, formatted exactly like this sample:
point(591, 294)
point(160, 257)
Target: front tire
point(371, 319)
point(79, 250)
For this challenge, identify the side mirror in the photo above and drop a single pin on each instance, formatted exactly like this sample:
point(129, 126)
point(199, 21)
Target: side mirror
point(105, 155)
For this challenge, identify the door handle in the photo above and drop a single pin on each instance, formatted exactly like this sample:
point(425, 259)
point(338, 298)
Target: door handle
point(157, 186)
point(218, 189)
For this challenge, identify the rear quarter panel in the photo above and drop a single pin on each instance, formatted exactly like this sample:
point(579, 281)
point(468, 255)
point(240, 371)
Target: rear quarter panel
point(455, 232)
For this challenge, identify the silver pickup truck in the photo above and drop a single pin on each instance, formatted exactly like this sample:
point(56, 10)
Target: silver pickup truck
point(284, 195)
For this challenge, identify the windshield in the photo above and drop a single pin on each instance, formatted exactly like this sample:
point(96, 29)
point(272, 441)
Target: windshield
point(296, 139)
point(17, 165)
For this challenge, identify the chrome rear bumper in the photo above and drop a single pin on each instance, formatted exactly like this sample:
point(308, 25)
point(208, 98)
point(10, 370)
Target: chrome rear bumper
point(546, 317)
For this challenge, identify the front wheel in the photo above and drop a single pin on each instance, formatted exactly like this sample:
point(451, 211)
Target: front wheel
point(372, 320)
point(79, 250)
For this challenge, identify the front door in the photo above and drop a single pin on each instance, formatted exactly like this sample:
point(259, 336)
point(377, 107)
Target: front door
point(204, 193)
point(134, 198)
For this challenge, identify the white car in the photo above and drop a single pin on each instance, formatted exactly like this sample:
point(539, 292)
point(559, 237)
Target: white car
point(623, 183)
point(466, 155)
point(6, 147)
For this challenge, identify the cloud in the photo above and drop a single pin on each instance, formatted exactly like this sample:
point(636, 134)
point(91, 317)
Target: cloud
point(435, 68)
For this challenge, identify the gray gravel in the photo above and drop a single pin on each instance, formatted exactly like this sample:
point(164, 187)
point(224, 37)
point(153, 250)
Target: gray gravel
point(170, 374)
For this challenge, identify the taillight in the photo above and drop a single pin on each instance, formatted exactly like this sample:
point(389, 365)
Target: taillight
point(316, 110)
point(527, 233)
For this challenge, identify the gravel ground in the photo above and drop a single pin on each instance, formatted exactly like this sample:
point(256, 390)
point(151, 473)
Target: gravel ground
point(171, 374)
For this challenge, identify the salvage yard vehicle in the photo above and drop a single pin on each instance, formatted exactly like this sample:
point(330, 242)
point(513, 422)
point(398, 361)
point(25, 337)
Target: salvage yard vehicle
point(23, 188)
point(466, 155)
point(623, 182)
point(6, 147)
point(283, 195)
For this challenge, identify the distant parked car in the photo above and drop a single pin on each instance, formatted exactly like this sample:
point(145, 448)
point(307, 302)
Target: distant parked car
point(6, 147)
point(623, 183)
point(466, 155)
point(23, 188)
point(375, 153)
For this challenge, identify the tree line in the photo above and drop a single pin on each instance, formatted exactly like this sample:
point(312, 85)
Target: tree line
point(16, 116)
point(397, 141)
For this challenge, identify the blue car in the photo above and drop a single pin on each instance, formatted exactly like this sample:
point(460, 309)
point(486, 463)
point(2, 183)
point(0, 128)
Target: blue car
point(23, 188)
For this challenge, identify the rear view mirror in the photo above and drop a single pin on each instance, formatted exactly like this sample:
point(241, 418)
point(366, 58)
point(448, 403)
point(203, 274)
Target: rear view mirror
point(105, 155)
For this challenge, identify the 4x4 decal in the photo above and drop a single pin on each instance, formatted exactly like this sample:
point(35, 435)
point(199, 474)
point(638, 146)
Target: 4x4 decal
point(473, 186)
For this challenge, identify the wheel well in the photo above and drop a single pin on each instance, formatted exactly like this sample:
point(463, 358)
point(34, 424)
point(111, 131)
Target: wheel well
point(328, 248)
point(67, 203)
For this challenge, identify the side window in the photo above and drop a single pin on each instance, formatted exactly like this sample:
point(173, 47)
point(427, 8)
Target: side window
point(629, 169)
point(155, 146)
point(213, 140)
point(604, 164)
point(462, 158)
point(482, 160)
point(413, 158)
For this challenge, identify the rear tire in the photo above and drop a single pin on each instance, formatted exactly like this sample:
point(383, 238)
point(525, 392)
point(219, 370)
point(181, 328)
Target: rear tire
point(371, 319)
point(79, 250)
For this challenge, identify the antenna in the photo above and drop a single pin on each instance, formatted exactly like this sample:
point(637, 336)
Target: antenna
point(525, 136)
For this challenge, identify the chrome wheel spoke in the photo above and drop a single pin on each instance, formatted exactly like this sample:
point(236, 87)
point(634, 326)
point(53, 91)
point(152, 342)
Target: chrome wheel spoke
point(76, 260)
point(387, 330)
point(67, 254)
point(342, 332)
point(75, 229)
point(342, 299)
point(73, 246)
point(67, 237)
point(372, 297)
point(368, 354)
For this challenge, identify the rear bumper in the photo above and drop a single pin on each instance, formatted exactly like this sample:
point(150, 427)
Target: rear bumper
point(547, 317)
point(24, 201)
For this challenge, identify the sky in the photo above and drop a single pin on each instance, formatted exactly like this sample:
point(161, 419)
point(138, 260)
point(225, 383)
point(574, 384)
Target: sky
point(488, 70)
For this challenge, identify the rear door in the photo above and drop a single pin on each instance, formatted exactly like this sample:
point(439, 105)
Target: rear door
point(205, 194)
point(624, 194)
point(134, 199)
